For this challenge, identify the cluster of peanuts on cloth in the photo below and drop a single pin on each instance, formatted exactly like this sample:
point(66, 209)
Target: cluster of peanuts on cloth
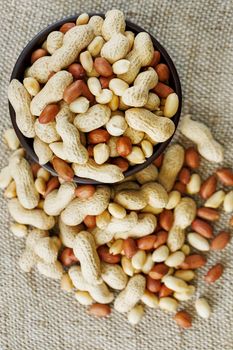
point(96, 98)
point(138, 241)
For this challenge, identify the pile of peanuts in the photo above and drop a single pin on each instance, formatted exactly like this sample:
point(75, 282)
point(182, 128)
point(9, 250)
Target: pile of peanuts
point(135, 238)
point(96, 99)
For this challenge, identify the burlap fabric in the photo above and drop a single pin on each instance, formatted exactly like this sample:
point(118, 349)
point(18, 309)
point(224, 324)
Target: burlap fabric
point(34, 313)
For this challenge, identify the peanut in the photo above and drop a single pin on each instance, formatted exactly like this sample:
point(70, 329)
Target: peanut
point(208, 187)
point(192, 158)
point(76, 70)
point(203, 228)
point(183, 319)
point(103, 67)
point(99, 310)
point(214, 273)
point(220, 241)
point(208, 214)
point(38, 54)
point(225, 175)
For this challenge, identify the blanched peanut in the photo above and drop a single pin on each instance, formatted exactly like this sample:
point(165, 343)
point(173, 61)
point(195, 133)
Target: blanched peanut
point(150, 299)
point(117, 125)
point(31, 85)
point(171, 105)
point(44, 174)
point(168, 304)
point(116, 247)
point(147, 148)
point(185, 249)
point(215, 200)
point(114, 103)
point(40, 185)
point(127, 266)
point(136, 156)
point(184, 296)
point(175, 259)
point(203, 308)
point(94, 86)
point(83, 297)
point(186, 275)
point(173, 199)
point(228, 202)
point(198, 241)
point(82, 19)
point(160, 254)
point(101, 153)
point(95, 46)
point(118, 86)
point(149, 263)
point(194, 184)
point(116, 210)
point(175, 284)
point(80, 105)
point(139, 259)
point(86, 61)
point(104, 97)
point(121, 66)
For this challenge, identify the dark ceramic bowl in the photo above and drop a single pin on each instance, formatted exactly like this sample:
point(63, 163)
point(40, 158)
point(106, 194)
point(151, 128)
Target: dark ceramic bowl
point(24, 61)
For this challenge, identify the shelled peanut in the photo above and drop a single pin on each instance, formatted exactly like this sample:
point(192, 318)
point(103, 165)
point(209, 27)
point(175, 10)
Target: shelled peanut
point(136, 238)
point(90, 98)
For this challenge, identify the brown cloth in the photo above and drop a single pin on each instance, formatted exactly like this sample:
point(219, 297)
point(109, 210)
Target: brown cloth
point(34, 313)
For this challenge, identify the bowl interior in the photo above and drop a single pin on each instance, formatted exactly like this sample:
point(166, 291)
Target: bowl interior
point(24, 61)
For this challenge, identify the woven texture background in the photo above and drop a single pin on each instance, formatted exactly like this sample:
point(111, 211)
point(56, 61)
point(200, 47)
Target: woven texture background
point(34, 313)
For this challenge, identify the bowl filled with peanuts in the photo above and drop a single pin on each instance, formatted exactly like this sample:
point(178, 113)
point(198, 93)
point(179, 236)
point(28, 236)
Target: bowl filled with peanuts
point(94, 98)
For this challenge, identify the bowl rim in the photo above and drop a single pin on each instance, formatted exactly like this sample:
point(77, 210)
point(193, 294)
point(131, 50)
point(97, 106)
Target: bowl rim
point(39, 38)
